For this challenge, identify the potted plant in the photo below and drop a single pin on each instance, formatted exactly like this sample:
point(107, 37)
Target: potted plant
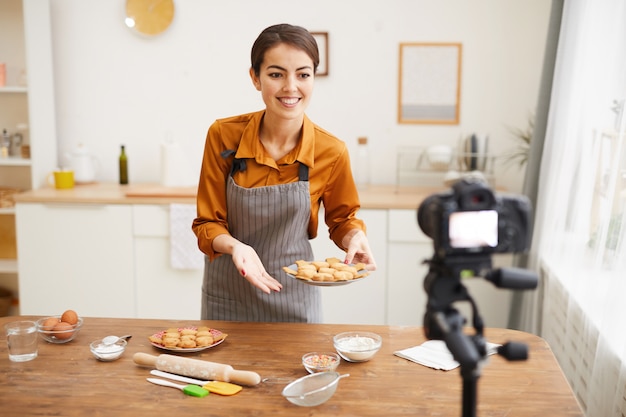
point(519, 155)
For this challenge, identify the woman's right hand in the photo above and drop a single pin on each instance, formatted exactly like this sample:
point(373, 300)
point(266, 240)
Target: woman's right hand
point(251, 268)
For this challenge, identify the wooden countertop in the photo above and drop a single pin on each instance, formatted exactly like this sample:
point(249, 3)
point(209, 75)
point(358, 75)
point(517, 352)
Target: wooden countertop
point(66, 380)
point(374, 197)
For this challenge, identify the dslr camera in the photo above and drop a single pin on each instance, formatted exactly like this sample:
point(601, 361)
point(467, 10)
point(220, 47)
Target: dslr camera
point(471, 220)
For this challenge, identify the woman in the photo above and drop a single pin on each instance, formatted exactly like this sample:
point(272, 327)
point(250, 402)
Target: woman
point(263, 178)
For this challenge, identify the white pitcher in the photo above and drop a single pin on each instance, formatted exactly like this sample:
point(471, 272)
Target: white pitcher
point(84, 164)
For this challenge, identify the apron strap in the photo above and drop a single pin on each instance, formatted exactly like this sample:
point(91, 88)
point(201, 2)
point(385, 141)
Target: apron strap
point(303, 172)
point(240, 165)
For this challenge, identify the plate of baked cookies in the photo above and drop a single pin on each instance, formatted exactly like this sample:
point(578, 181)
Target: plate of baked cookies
point(187, 339)
point(327, 273)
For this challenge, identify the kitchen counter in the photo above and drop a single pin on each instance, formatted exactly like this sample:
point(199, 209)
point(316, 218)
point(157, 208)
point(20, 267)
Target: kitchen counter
point(66, 380)
point(374, 197)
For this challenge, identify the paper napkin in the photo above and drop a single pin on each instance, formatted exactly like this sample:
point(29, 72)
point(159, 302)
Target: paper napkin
point(435, 354)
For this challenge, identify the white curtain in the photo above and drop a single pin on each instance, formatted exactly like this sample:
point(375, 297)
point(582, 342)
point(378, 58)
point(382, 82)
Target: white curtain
point(580, 223)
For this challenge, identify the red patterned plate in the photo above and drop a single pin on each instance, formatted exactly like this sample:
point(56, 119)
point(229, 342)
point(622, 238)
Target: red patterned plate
point(214, 332)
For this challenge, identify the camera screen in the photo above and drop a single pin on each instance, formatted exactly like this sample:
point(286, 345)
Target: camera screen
point(473, 229)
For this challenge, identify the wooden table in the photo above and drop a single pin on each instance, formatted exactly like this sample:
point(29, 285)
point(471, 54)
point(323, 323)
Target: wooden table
point(66, 380)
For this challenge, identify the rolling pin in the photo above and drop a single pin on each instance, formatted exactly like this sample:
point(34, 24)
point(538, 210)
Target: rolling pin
point(197, 368)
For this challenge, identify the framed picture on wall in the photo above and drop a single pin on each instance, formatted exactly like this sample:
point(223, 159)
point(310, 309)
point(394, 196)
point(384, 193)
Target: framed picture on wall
point(322, 44)
point(429, 87)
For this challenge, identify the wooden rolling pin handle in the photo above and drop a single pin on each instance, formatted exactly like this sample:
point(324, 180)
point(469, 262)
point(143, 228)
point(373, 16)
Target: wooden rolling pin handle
point(144, 359)
point(242, 377)
point(197, 368)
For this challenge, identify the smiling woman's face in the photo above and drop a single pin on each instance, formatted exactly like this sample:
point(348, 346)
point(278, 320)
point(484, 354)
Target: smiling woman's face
point(285, 81)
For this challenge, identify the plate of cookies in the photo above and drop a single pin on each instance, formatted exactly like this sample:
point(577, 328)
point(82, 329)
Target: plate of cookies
point(187, 339)
point(327, 273)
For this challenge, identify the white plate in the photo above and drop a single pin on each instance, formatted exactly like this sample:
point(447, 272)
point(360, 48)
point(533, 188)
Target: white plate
point(190, 350)
point(325, 283)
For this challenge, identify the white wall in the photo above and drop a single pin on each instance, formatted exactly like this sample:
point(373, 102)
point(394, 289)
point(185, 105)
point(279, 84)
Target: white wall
point(114, 87)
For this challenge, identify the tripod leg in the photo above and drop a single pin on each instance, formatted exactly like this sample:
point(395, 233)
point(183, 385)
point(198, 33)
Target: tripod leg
point(470, 392)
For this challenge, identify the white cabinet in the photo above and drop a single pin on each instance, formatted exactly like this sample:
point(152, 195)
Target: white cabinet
point(162, 291)
point(113, 260)
point(77, 256)
point(408, 247)
point(360, 302)
point(107, 260)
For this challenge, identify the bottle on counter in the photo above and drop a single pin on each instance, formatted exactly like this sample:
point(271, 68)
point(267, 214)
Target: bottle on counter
point(123, 167)
point(361, 168)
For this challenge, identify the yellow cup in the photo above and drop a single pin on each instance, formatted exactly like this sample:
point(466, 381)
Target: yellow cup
point(61, 179)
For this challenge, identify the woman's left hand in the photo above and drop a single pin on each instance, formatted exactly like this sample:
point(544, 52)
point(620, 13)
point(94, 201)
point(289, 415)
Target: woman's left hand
point(358, 249)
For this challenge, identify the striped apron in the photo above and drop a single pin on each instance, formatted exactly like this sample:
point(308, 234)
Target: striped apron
point(273, 220)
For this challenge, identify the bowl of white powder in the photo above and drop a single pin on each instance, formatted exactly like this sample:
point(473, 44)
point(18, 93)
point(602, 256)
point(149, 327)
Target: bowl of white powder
point(107, 350)
point(357, 346)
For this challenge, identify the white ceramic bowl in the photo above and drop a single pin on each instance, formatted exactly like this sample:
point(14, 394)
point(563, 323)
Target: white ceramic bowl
point(313, 389)
point(357, 346)
point(107, 352)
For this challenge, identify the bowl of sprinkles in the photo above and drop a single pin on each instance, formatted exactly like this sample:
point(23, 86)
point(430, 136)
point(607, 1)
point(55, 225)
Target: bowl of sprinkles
point(320, 362)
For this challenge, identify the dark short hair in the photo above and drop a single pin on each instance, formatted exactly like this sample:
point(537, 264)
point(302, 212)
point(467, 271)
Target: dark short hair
point(295, 36)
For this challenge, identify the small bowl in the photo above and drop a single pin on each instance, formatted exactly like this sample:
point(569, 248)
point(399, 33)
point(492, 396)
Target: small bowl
point(320, 362)
point(312, 390)
point(58, 336)
point(357, 346)
point(107, 352)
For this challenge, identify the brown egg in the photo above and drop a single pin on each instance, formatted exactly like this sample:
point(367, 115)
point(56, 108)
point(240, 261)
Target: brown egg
point(70, 316)
point(63, 326)
point(49, 323)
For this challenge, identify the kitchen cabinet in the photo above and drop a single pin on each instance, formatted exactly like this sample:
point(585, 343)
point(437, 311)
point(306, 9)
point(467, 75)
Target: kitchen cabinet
point(26, 100)
point(407, 248)
point(108, 260)
point(113, 260)
point(76, 256)
point(162, 291)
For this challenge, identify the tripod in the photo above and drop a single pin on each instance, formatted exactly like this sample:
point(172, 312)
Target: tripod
point(443, 321)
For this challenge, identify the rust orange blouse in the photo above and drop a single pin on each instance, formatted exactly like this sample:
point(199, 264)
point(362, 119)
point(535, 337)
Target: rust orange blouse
point(330, 176)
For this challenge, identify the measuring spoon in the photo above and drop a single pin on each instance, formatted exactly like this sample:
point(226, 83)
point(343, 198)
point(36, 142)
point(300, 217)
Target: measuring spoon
point(111, 340)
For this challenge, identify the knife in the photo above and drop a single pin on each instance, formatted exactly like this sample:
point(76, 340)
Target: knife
point(193, 390)
point(217, 387)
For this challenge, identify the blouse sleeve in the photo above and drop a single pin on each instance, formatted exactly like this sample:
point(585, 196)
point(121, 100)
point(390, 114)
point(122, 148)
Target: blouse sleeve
point(211, 198)
point(341, 200)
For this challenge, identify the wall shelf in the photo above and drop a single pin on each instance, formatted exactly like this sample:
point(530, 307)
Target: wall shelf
point(8, 266)
point(13, 89)
point(15, 161)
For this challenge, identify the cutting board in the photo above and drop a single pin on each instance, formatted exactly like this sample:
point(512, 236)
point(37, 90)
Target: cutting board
point(156, 191)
